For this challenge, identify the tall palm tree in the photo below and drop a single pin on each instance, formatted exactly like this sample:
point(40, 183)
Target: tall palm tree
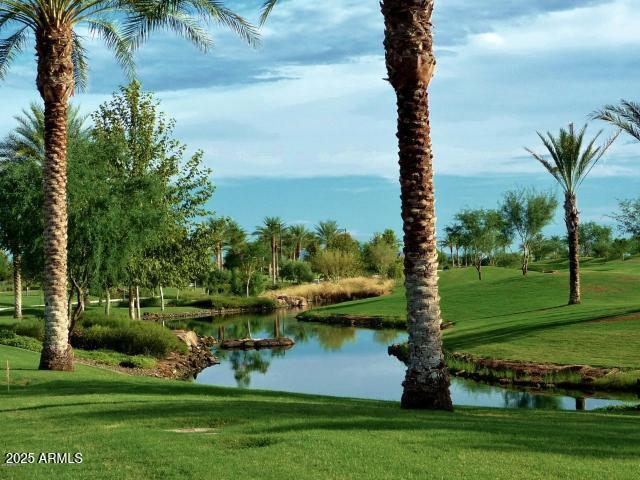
point(410, 64)
point(625, 116)
point(271, 231)
point(21, 156)
point(326, 232)
point(299, 236)
point(62, 68)
point(571, 161)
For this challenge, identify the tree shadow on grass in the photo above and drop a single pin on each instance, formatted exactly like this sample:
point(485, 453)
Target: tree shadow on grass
point(170, 404)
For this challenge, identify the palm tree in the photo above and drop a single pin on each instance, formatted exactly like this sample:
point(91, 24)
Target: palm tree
point(570, 164)
point(62, 68)
point(410, 65)
point(326, 232)
point(299, 236)
point(271, 231)
point(218, 233)
point(625, 116)
point(23, 150)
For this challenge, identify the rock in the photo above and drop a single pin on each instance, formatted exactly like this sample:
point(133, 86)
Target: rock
point(187, 336)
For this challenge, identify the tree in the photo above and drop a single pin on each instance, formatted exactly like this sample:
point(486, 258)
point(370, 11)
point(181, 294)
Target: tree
point(297, 271)
point(380, 254)
point(571, 161)
point(271, 231)
point(335, 264)
point(482, 232)
point(326, 233)
point(5, 267)
point(629, 217)
point(299, 236)
point(61, 69)
point(526, 213)
point(410, 65)
point(593, 234)
point(625, 116)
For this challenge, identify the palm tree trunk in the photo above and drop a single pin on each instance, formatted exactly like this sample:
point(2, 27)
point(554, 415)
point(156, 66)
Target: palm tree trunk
point(17, 286)
point(572, 220)
point(410, 64)
point(55, 83)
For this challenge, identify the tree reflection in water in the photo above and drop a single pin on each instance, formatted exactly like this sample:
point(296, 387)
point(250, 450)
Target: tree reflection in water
point(514, 399)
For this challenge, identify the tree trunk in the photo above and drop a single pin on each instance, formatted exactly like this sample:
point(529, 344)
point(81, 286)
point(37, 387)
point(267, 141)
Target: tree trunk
point(572, 220)
point(525, 260)
point(79, 309)
point(161, 298)
point(54, 47)
point(17, 286)
point(139, 315)
point(410, 64)
point(273, 260)
point(132, 305)
point(219, 256)
point(107, 305)
point(479, 269)
point(453, 260)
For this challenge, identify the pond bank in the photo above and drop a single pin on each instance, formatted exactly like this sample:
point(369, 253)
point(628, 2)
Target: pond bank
point(364, 321)
point(534, 374)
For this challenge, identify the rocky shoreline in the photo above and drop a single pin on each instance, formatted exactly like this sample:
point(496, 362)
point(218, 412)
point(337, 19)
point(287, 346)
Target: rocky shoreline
point(364, 321)
point(526, 374)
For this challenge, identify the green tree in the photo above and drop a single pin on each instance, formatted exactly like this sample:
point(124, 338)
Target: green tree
point(327, 232)
point(61, 69)
point(526, 213)
point(592, 235)
point(482, 231)
point(571, 161)
point(628, 218)
point(297, 271)
point(300, 236)
point(336, 264)
point(271, 232)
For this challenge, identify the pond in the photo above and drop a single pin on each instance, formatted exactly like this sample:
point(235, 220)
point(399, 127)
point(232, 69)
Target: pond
point(348, 362)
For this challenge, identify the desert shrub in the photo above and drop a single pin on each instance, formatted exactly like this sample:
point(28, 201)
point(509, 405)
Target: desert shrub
point(332, 292)
point(136, 339)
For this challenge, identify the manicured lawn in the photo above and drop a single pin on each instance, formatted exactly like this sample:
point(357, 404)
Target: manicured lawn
point(123, 424)
point(510, 316)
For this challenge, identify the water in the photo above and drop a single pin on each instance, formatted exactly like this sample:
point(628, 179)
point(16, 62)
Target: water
point(345, 362)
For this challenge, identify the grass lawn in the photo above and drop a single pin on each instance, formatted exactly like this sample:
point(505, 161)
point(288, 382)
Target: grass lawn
point(122, 425)
point(513, 317)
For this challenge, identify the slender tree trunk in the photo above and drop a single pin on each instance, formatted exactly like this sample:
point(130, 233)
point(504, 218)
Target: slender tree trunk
point(161, 298)
point(132, 305)
point(54, 47)
point(139, 315)
point(572, 220)
point(453, 260)
point(273, 260)
point(17, 286)
point(479, 269)
point(410, 64)
point(79, 308)
point(107, 305)
point(525, 260)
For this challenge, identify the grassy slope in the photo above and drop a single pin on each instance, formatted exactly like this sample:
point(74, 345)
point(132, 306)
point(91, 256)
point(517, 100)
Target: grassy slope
point(508, 316)
point(120, 424)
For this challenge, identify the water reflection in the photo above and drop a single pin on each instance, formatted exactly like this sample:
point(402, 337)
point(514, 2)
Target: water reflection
point(344, 361)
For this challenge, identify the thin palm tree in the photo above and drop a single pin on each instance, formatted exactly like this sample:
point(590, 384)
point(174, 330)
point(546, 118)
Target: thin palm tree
point(625, 116)
point(271, 231)
point(299, 236)
point(570, 163)
point(410, 61)
point(61, 69)
point(326, 232)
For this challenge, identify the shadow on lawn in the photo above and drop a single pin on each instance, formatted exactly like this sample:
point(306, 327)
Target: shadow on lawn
point(172, 404)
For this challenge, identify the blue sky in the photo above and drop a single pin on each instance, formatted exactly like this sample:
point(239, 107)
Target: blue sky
point(304, 126)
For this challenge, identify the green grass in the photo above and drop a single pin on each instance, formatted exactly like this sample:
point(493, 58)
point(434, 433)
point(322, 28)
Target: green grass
point(123, 424)
point(513, 317)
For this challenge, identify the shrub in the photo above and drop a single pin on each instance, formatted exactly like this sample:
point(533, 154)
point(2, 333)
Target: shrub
point(30, 328)
point(136, 339)
point(297, 271)
point(333, 264)
point(12, 340)
point(331, 292)
point(115, 358)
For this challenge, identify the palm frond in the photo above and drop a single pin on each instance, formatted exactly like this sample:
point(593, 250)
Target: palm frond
point(625, 116)
point(116, 42)
point(267, 7)
point(10, 47)
point(80, 65)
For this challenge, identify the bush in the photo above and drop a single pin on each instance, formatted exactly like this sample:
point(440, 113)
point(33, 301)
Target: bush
point(28, 328)
point(257, 284)
point(333, 292)
point(115, 358)
point(508, 260)
point(221, 301)
point(297, 271)
point(12, 340)
point(136, 339)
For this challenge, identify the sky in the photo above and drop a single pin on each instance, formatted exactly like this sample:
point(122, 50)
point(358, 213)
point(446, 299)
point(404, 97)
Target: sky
point(304, 126)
